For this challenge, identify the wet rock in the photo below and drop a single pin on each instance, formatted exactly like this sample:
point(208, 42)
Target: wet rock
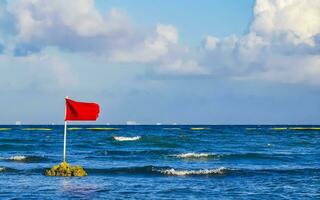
point(64, 169)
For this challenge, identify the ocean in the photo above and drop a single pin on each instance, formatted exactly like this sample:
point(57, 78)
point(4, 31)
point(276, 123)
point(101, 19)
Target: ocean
point(162, 162)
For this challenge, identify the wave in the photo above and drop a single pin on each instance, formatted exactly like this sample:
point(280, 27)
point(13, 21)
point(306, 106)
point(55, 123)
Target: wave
point(14, 158)
point(170, 171)
point(120, 138)
point(153, 170)
point(37, 129)
point(174, 172)
point(305, 128)
point(26, 159)
point(196, 155)
point(279, 128)
point(5, 129)
point(74, 128)
point(8, 169)
point(18, 158)
point(199, 128)
point(248, 155)
point(285, 128)
point(144, 170)
point(249, 129)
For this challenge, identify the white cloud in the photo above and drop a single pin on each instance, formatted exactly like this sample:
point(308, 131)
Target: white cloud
point(162, 50)
point(167, 33)
point(211, 42)
point(70, 25)
point(40, 24)
point(283, 42)
point(36, 18)
point(282, 45)
point(152, 48)
point(298, 20)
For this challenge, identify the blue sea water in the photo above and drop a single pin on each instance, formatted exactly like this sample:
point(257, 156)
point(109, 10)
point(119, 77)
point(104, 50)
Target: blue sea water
point(162, 162)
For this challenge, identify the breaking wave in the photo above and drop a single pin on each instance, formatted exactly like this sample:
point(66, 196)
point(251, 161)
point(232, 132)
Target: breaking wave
point(120, 138)
point(170, 171)
point(18, 158)
point(174, 172)
point(153, 170)
point(196, 155)
point(27, 159)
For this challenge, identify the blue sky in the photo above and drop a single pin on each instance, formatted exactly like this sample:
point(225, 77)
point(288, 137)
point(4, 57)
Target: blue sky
point(215, 17)
point(183, 61)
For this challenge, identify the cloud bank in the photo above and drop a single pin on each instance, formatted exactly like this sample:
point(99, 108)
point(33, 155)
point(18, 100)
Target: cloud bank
point(282, 44)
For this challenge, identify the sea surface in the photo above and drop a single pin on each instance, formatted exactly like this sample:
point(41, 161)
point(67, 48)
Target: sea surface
point(162, 162)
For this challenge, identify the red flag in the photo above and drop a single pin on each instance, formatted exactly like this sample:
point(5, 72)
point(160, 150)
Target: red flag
point(81, 111)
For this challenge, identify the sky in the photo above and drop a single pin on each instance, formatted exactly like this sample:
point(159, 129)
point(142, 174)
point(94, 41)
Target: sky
point(161, 61)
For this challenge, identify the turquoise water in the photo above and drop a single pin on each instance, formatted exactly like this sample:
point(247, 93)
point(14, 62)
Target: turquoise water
point(162, 162)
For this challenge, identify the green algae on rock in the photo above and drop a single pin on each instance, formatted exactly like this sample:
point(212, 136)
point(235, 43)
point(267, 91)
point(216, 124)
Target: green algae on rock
point(64, 169)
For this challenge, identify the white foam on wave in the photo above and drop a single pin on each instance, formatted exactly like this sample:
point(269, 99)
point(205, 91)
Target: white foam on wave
point(18, 158)
point(120, 138)
point(2, 169)
point(14, 158)
point(194, 155)
point(174, 172)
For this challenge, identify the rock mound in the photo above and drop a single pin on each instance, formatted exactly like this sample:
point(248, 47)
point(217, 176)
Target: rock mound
point(64, 169)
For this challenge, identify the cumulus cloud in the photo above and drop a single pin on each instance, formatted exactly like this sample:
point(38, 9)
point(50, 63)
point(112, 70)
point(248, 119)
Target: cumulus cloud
point(39, 24)
point(281, 45)
point(35, 18)
point(69, 25)
point(155, 46)
point(162, 50)
point(295, 21)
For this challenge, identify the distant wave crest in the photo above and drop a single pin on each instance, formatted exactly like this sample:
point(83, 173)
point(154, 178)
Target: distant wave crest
point(18, 158)
point(28, 159)
point(15, 158)
point(174, 172)
point(195, 155)
point(120, 138)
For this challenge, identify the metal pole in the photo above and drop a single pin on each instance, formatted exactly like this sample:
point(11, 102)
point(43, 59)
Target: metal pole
point(65, 141)
point(65, 134)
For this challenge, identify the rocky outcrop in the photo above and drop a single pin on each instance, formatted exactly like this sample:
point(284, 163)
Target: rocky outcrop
point(64, 169)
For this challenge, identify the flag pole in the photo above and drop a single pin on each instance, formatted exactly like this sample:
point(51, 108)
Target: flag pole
point(65, 132)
